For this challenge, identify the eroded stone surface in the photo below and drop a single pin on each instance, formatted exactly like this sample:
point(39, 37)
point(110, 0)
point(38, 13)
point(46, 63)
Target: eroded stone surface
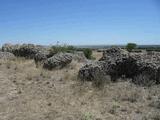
point(118, 63)
point(25, 50)
point(6, 56)
point(58, 61)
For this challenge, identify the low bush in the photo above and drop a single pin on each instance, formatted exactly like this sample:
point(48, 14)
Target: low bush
point(61, 48)
point(88, 53)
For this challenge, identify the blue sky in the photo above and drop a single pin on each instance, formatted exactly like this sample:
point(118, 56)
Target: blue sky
point(80, 22)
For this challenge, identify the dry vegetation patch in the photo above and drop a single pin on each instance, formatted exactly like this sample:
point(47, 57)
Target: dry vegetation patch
point(28, 92)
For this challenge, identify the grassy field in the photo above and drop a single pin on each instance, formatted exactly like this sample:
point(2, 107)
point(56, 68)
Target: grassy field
point(30, 93)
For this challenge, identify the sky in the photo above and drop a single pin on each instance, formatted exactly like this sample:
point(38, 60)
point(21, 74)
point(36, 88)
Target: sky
point(80, 22)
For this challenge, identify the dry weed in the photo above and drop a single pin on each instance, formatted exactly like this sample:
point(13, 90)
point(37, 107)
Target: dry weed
point(35, 93)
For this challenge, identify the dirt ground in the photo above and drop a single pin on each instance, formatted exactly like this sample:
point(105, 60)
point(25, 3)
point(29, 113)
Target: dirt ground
point(30, 93)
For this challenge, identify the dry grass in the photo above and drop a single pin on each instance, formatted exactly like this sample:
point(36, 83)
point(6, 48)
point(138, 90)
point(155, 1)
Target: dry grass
point(97, 55)
point(30, 93)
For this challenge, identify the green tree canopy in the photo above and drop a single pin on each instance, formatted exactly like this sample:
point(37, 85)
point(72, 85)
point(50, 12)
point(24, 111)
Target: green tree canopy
point(131, 46)
point(88, 53)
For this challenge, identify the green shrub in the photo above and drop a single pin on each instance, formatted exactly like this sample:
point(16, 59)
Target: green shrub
point(64, 48)
point(88, 53)
point(131, 46)
point(87, 116)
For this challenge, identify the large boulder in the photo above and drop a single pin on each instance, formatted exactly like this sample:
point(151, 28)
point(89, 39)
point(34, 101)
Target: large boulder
point(91, 71)
point(25, 50)
point(40, 58)
point(146, 68)
point(59, 60)
point(79, 56)
point(7, 48)
point(141, 67)
point(158, 76)
point(11, 48)
point(113, 54)
point(6, 56)
point(30, 50)
point(112, 63)
point(116, 60)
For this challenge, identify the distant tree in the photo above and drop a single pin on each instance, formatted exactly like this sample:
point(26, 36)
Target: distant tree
point(131, 46)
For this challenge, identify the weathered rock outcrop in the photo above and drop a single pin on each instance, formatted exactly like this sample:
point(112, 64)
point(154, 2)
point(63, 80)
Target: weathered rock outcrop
point(43, 58)
point(158, 76)
point(146, 67)
point(40, 58)
point(79, 56)
point(11, 48)
point(118, 63)
point(25, 50)
point(114, 54)
point(6, 56)
point(59, 60)
point(91, 71)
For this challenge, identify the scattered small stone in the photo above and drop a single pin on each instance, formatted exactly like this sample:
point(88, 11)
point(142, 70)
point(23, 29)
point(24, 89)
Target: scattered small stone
point(19, 92)
point(47, 82)
point(49, 104)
